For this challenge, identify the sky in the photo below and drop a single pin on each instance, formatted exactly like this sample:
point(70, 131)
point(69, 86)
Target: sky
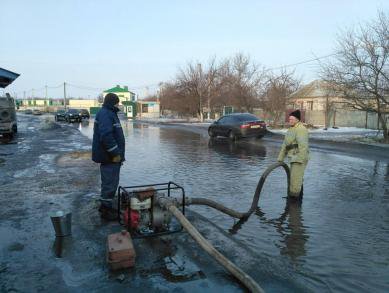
point(96, 45)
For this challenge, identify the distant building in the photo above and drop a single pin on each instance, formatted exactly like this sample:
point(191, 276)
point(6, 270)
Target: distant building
point(39, 103)
point(122, 92)
point(82, 103)
point(130, 109)
point(314, 96)
point(148, 109)
point(323, 107)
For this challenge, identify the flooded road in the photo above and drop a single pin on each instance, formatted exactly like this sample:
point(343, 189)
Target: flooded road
point(337, 240)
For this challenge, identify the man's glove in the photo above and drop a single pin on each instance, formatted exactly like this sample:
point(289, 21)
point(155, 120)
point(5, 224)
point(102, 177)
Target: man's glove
point(117, 159)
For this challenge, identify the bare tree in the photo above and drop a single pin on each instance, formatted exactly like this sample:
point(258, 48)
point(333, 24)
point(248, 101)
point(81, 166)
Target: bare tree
point(190, 83)
point(199, 83)
point(173, 99)
point(198, 89)
point(360, 72)
point(242, 81)
point(276, 91)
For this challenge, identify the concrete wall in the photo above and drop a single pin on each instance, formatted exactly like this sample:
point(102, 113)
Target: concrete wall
point(344, 118)
point(82, 104)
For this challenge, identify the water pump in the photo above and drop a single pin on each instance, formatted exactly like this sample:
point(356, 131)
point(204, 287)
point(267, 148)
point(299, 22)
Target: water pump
point(141, 213)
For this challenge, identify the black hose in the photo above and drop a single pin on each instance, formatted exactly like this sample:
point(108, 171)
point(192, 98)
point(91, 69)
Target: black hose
point(254, 204)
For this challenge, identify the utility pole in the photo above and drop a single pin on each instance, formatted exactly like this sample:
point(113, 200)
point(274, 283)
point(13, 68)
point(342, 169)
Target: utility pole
point(64, 94)
point(46, 92)
point(199, 89)
point(24, 95)
point(209, 95)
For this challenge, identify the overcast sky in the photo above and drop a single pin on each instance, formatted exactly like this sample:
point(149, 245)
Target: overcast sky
point(99, 44)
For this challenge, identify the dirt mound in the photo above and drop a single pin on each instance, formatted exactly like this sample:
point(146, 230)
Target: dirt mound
point(49, 124)
point(74, 158)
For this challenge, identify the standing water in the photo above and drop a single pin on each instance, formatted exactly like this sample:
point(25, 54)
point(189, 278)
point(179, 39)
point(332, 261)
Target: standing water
point(337, 240)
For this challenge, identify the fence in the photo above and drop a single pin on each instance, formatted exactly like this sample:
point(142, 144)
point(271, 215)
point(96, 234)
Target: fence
point(345, 118)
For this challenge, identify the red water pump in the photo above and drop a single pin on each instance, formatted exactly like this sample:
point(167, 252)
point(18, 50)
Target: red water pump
point(140, 212)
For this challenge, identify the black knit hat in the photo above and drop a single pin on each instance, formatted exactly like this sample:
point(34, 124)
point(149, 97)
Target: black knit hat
point(111, 99)
point(296, 114)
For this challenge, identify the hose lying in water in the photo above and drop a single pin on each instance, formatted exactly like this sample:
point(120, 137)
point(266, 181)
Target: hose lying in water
point(254, 204)
point(246, 280)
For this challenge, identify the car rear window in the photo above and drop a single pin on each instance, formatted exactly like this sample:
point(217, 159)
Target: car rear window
point(73, 111)
point(246, 117)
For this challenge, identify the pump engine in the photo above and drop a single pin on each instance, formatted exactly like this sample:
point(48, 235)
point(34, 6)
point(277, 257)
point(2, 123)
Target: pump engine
point(140, 212)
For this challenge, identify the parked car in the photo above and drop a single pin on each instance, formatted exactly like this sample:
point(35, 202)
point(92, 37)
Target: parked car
point(59, 115)
point(85, 114)
point(73, 115)
point(28, 111)
point(36, 112)
point(238, 125)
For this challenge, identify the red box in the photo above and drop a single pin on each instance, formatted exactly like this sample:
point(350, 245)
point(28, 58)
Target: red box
point(120, 251)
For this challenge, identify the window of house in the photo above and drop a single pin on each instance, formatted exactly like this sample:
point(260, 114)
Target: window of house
point(145, 108)
point(310, 105)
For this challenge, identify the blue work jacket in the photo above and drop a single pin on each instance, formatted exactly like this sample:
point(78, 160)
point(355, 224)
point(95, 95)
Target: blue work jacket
point(108, 137)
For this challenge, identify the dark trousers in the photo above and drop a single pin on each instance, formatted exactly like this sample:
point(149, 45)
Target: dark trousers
point(110, 174)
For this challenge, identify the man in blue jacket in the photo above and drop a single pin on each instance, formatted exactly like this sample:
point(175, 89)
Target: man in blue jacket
point(108, 149)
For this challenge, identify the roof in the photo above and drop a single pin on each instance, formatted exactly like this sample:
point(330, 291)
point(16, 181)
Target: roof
point(7, 77)
point(118, 89)
point(314, 89)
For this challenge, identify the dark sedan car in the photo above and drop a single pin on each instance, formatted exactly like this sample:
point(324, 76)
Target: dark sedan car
point(85, 114)
point(238, 125)
point(60, 115)
point(73, 115)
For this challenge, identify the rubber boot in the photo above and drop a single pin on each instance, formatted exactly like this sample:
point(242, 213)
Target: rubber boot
point(106, 210)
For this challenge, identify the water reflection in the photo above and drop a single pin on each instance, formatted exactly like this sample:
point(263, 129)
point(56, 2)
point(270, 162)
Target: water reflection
point(61, 246)
point(289, 225)
point(171, 263)
point(241, 149)
point(387, 172)
point(294, 234)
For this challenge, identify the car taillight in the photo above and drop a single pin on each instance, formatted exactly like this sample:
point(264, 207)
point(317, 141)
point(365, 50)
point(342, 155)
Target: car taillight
point(245, 126)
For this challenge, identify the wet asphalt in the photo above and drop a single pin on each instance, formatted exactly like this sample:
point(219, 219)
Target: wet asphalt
point(47, 167)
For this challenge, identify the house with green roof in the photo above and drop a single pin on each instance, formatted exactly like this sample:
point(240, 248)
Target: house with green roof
point(122, 92)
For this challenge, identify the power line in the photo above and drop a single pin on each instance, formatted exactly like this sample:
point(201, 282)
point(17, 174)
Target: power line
point(84, 87)
point(153, 85)
point(55, 87)
point(302, 62)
